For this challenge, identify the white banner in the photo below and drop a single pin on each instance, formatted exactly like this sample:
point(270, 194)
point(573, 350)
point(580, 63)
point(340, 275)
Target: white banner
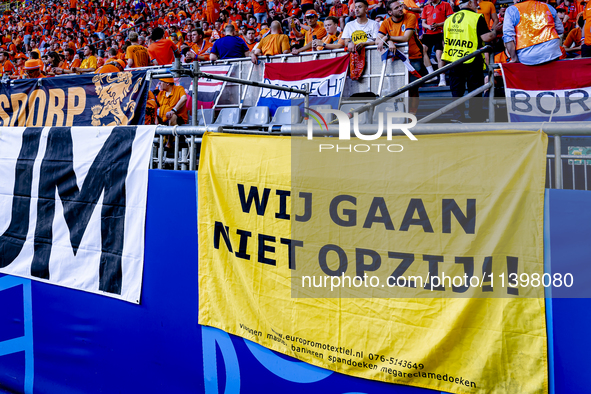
point(73, 206)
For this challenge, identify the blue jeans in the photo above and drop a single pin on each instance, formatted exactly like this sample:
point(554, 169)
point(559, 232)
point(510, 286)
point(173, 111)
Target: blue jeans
point(261, 17)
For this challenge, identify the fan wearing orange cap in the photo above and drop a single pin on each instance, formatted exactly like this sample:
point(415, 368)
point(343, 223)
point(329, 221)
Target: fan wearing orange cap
point(313, 30)
point(112, 66)
point(172, 100)
point(33, 69)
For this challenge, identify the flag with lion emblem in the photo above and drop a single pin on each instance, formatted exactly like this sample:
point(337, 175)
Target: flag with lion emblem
point(117, 99)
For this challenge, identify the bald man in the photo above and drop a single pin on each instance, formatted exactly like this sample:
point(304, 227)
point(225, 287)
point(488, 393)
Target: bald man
point(274, 43)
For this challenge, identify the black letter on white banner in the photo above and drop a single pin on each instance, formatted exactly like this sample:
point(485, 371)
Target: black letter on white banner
point(13, 239)
point(107, 173)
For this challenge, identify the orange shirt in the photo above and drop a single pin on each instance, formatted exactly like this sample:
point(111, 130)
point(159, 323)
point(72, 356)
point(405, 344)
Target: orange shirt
point(213, 11)
point(397, 29)
point(250, 46)
point(319, 31)
point(587, 16)
point(259, 8)
point(486, 8)
point(574, 37)
point(580, 7)
point(412, 4)
point(233, 23)
point(139, 55)
point(151, 108)
point(338, 10)
point(294, 12)
point(102, 23)
point(162, 51)
point(107, 69)
point(329, 39)
point(274, 44)
point(202, 50)
point(169, 100)
point(244, 8)
point(7, 67)
point(28, 28)
point(75, 63)
point(263, 32)
point(501, 58)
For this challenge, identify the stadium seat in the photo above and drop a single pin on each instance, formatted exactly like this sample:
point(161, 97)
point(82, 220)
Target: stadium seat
point(328, 117)
point(255, 116)
point(228, 117)
point(286, 115)
point(363, 117)
point(208, 113)
point(391, 106)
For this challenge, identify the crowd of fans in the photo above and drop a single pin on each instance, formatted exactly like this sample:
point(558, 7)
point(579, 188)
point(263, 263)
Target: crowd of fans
point(76, 37)
point(45, 38)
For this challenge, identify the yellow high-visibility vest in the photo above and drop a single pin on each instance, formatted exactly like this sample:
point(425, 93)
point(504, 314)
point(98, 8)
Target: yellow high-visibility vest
point(459, 35)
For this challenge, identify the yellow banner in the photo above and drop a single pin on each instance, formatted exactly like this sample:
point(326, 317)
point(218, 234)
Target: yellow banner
point(414, 262)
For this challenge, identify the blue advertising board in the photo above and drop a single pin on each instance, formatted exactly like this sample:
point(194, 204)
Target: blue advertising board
point(58, 340)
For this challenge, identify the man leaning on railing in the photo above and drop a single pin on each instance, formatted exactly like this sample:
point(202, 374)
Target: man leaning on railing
point(275, 43)
point(229, 46)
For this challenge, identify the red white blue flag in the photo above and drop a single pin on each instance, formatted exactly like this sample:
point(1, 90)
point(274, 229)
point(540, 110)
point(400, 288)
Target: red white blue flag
point(558, 91)
point(397, 54)
point(326, 79)
point(209, 89)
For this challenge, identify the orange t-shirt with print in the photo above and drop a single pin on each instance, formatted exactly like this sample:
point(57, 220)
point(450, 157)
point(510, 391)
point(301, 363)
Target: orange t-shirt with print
point(397, 29)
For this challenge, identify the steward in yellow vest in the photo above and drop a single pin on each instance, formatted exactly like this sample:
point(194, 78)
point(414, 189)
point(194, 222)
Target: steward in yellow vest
point(464, 33)
point(460, 37)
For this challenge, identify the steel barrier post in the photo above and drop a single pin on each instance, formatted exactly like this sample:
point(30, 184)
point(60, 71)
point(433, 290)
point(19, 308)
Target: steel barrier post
point(192, 158)
point(557, 162)
point(193, 153)
point(184, 159)
point(195, 92)
point(152, 156)
point(243, 95)
point(160, 151)
point(177, 140)
point(491, 96)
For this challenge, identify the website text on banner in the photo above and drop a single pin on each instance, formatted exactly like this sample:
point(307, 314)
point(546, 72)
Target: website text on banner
point(117, 99)
point(326, 79)
point(557, 91)
point(274, 209)
point(73, 206)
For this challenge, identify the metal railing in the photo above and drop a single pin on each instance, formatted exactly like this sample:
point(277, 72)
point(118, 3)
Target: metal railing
point(378, 77)
point(195, 73)
point(186, 158)
point(424, 79)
